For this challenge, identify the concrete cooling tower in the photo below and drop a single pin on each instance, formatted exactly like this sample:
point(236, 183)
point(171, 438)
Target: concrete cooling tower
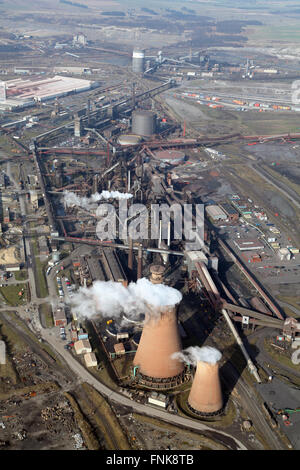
point(205, 397)
point(160, 339)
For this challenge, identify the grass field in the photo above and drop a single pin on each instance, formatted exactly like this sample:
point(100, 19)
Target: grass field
point(41, 283)
point(279, 356)
point(11, 295)
point(45, 311)
point(284, 33)
point(21, 275)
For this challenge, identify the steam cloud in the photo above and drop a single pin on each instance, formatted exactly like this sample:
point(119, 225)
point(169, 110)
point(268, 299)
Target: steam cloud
point(193, 354)
point(110, 299)
point(72, 199)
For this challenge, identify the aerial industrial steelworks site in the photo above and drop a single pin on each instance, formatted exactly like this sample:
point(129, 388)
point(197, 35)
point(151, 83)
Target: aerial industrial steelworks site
point(149, 232)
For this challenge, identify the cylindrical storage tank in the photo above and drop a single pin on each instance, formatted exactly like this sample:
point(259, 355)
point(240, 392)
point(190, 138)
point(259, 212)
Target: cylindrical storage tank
point(205, 397)
point(138, 60)
point(159, 341)
point(129, 139)
point(143, 122)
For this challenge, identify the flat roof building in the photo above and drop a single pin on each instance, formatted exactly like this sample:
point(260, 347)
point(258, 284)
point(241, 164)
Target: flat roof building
point(22, 92)
point(249, 244)
point(215, 213)
point(119, 348)
point(90, 360)
point(231, 213)
point(83, 346)
point(59, 317)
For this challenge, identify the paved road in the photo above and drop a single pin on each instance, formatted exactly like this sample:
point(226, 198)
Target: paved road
point(85, 376)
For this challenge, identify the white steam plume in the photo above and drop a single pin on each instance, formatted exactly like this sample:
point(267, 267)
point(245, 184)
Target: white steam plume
point(193, 354)
point(110, 299)
point(72, 199)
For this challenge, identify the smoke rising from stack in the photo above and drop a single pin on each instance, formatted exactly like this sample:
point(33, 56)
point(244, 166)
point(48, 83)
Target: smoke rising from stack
point(71, 199)
point(111, 299)
point(195, 354)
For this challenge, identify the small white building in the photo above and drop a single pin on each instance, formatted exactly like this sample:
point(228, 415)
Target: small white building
point(90, 360)
point(83, 346)
point(158, 399)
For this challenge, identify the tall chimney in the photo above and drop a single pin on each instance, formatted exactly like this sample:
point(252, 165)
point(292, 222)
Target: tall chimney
point(160, 339)
point(205, 397)
point(157, 271)
point(140, 262)
point(130, 254)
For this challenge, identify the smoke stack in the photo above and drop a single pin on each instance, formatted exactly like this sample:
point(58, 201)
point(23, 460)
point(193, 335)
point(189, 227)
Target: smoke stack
point(159, 341)
point(157, 272)
point(130, 254)
point(140, 262)
point(205, 397)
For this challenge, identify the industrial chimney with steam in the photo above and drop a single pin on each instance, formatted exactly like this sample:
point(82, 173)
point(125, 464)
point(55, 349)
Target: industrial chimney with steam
point(205, 397)
point(159, 341)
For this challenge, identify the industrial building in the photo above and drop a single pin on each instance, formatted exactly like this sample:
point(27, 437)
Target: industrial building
point(173, 157)
point(158, 399)
point(231, 213)
point(215, 213)
point(249, 244)
point(82, 346)
point(59, 317)
point(23, 92)
point(90, 359)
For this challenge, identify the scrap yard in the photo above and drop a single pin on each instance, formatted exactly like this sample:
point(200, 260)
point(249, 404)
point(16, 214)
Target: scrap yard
point(149, 235)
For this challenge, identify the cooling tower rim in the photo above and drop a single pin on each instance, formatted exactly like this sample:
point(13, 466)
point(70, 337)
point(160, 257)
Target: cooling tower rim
point(207, 364)
point(162, 308)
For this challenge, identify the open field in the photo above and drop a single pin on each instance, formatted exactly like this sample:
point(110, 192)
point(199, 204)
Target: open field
point(45, 311)
point(11, 294)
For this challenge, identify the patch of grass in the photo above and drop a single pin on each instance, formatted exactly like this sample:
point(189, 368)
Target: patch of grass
point(45, 311)
point(279, 356)
point(294, 301)
point(21, 275)
point(41, 283)
point(11, 296)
